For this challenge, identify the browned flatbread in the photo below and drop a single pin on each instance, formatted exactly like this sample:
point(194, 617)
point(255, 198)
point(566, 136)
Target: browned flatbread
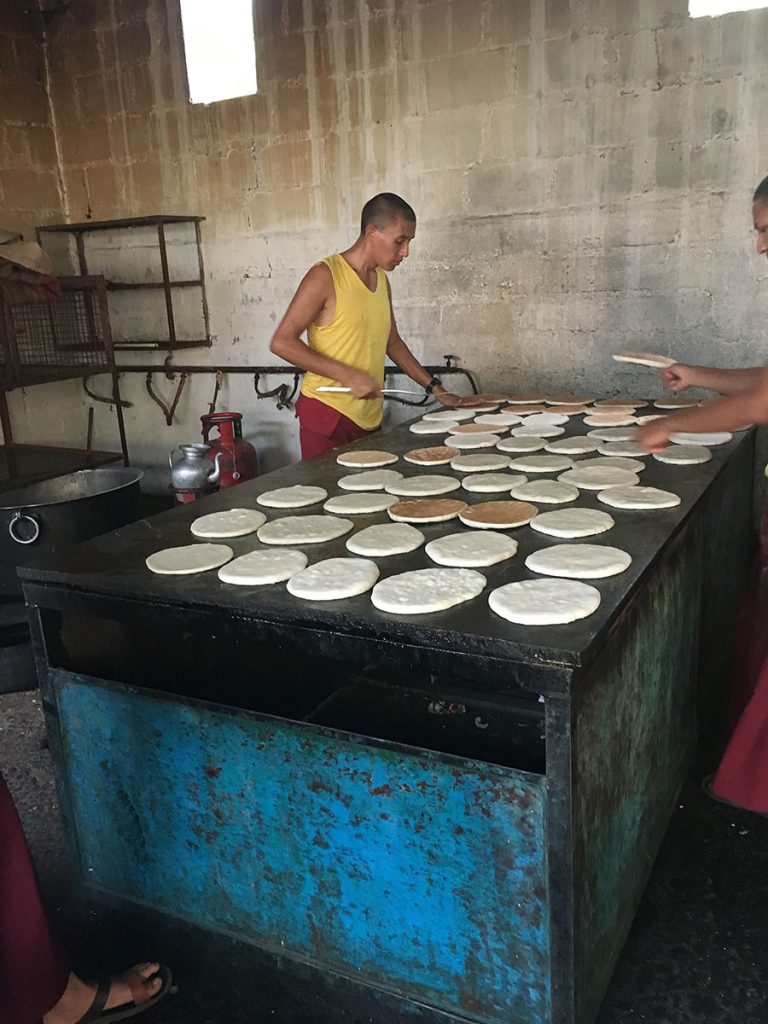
point(366, 458)
point(621, 403)
point(426, 510)
point(476, 428)
point(568, 400)
point(503, 515)
point(524, 410)
point(529, 398)
point(566, 410)
point(488, 399)
point(437, 454)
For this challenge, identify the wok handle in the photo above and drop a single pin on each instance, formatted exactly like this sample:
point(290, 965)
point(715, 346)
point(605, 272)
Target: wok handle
point(18, 518)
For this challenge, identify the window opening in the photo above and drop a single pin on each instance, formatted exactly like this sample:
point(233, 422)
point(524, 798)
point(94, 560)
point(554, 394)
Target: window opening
point(220, 49)
point(713, 8)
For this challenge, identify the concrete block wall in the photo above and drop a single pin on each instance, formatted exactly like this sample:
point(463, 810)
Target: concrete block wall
point(582, 171)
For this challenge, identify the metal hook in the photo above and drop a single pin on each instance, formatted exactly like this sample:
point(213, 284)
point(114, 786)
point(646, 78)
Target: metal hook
point(168, 413)
point(108, 400)
point(284, 399)
point(217, 388)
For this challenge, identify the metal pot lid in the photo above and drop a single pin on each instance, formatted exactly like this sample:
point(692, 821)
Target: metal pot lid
point(78, 486)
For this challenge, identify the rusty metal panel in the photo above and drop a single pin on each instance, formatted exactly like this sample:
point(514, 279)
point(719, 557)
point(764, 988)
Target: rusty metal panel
point(634, 732)
point(419, 873)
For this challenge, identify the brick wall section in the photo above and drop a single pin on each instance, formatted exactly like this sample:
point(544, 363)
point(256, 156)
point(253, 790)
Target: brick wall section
point(582, 171)
point(29, 176)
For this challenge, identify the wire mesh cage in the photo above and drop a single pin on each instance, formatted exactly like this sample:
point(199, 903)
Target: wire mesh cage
point(47, 341)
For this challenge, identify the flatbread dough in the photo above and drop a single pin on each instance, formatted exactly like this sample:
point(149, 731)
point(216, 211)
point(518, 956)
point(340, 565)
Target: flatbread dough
point(570, 410)
point(370, 480)
point(598, 477)
point(292, 497)
point(522, 444)
point(568, 400)
point(613, 433)
point(684, 454)
point(483, 440)
point(652, 359)
point(525, 410)
point(624, 449)
point(433, 426)
point(498, 419)
point(678, 402)
point(579, 561)
point(708, 440)
point(232, 522)
point(422, 486)
point(368, 459)
point(541, 463)
point(422, 591)
point(470, 550)
point(303, 529)
point(638, 498)
point(426, 510)
point(609, 404)
point(573, 446)
point(571, 523)
point(492, 483)
point(387, 539)
point(440, 455)
point(545, 419)
point(483, 462)
point(188, 559)
point(609, 421)
point(259, 568)
point(448, 415)
point(480, 428)
point(499, 515)
point(545, 492)
point(358, 503)
point(537, 430)
point(617, 461)
point(544, 602)
point(334, 579)
point(534, 398)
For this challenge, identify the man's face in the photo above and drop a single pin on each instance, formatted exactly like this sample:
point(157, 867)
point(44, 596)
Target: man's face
point(760, 214)
point(390, 244)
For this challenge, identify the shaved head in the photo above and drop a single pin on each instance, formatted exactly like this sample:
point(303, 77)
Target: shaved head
point(761, 192)
point(384, 209)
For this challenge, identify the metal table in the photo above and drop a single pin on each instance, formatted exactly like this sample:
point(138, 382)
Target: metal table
point(449, 808)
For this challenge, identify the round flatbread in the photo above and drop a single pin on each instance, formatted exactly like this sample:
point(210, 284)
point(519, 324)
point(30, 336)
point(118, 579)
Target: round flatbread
point(483, 440)
point(678, 402)
point(303, 530)
point(423, 486)
point(334, 579)
point(259, 568)
point(478, 428)
point(598, 477)
point(573, 446)
point(534, 398)
point(470, 550)
point(544, 602)
point(708, 440)
point(385, 540)
point(297, 496)
point(624, 449)
point(545, 492)
point(568, 400)
point(371, 480)
point(570, 410)
point(638, 498)
point(541, 463)
point(448, 416)
point(486, 407)
point(642, 420)
point(522, 444)
point(617, 461)
point(358, 503)
point(426, 510)
point(492, 483)
point(433, 426)
point(613, 433)
point(440, 455)
point(367, 459)
point(232, 522)
point(684, 454)
point(571, 523)
point(482, 462)
point(498, 419)
point(618, 403)
point(498, 515)
point(422, 591)
point(652, 359)
point(579, 561)
point(545, 419)
point(188, 559)
point(537, 430)
point(609, 421)
point(524, 410)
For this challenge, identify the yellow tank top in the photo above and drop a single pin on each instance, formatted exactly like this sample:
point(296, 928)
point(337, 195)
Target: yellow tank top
point(357, 335)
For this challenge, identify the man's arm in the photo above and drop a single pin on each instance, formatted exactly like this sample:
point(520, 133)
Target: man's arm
point(730, 413)
point(724, 382)
point(305, 307)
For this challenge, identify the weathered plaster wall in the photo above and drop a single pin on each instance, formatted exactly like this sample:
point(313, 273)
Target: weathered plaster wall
point(582, 173)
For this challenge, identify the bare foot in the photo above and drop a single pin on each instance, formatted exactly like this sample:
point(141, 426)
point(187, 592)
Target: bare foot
point(134, 986)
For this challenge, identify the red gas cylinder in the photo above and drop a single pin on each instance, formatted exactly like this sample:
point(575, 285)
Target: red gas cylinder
point(240, 461)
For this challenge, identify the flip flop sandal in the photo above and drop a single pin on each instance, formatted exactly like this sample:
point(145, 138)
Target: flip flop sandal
point(96, 1014)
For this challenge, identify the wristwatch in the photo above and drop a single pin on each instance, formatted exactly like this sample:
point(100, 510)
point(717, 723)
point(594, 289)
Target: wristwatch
point(434, 383)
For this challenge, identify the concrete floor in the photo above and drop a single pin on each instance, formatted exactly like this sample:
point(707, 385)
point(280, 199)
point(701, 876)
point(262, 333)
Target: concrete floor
point(697, 953)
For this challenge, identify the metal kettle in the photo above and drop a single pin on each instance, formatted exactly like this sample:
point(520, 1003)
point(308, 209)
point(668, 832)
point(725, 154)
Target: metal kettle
point(193, 472)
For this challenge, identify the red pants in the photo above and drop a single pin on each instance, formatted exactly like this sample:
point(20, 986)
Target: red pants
point(322, 428)
point(33, 970)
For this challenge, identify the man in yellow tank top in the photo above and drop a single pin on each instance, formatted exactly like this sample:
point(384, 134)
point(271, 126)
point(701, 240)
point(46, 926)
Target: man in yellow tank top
point(344, 303)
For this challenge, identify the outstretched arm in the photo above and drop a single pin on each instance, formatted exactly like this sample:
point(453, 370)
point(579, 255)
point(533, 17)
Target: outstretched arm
point(305, 307)
point(724, 382)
